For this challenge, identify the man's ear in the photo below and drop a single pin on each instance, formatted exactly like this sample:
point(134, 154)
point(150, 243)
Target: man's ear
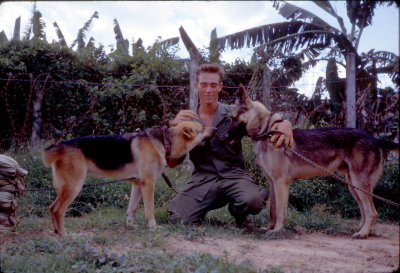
point(243, 97)
point(188, 133)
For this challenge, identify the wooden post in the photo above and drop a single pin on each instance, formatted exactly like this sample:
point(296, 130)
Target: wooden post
point(193, 94)
point(37, 108)
point(266, 93)
point(351, 90)
point(195, 58)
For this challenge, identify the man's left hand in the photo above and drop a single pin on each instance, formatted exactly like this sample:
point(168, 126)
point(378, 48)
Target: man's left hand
point(287, 137)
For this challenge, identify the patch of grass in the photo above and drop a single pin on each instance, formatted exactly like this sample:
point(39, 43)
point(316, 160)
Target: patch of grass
point(318, 219)
point(84, 250)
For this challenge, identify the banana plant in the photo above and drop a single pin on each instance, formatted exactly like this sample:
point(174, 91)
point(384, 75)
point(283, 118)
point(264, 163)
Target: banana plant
point(309, 33)
point(169, 42)
point(60, 35)
point(122, 44)
point(17, 29)
point(3, 38)
point(80, 39)
point(36, 26)
point(214, 48)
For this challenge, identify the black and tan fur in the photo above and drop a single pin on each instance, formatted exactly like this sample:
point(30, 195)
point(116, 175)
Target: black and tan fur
point(143, 156)
point(351, 152)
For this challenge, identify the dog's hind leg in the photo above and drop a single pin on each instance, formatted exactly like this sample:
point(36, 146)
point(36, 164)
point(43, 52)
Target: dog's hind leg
point(136, 196)
point(68, 180)
point(365, 182)
point(358, 200)
point(59, 207)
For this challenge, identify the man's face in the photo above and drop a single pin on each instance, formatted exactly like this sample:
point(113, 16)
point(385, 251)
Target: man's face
point(208, 85)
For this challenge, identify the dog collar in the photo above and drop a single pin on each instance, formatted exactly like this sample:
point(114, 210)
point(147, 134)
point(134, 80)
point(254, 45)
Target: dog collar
point(160, 133)
point(267, 133)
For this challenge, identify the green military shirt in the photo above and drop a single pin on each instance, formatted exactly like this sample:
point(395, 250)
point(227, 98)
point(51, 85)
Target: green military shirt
point(215, 158)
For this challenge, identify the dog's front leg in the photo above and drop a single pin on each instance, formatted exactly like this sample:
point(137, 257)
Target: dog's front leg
point(272, 209)
point(281, 194)
point(136, 196)
point(148, 200)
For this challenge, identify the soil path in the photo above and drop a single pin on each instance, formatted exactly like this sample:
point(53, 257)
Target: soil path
point(307, 252)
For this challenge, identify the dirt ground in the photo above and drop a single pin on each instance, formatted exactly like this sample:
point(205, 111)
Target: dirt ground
point(307, 252)
point(316, 252)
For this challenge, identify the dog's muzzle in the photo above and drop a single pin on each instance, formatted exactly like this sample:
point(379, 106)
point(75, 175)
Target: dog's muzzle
point(236, 131)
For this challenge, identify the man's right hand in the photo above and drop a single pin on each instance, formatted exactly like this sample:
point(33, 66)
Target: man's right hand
point(183, 115)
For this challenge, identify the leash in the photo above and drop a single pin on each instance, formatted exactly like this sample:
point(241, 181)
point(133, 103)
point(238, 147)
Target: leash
point(268, 134)
point(166, 179)
point(52, 189)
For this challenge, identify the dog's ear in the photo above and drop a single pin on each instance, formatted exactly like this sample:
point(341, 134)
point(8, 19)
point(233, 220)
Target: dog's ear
point(243, 97)
point(188, 132)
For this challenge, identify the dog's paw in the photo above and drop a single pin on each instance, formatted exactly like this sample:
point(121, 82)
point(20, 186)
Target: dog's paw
point(155, 227)
point(130, 223)
point(152, 224)
point(359, 235)
point(279, 234)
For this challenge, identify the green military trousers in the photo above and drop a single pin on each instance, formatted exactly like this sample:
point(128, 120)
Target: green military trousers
point(196, 198)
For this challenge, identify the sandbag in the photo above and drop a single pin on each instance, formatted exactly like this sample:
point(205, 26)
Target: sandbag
point(11, 186)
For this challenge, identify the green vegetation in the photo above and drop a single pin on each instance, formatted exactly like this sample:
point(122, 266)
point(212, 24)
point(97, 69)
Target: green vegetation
point(87, 91)
point(100, 241)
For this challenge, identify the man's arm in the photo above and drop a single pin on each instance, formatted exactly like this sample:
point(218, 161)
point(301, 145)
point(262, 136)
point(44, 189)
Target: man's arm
point(183, 115)
point(286, 128)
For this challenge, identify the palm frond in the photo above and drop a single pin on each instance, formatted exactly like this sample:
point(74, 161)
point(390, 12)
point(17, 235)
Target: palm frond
point(38, 26)
point(169, 42)
point(17, 29)
point(90, 43)
point(60, 35)
point(214, 49)
point(326, 6)
point(80, 39)
point(295, 13)
point(3, 38)
point(382, 62)
point(381, 56)
point(122, 44)
point(285, 37)
point(28, 28)
point(360, 13)
point(193, 51)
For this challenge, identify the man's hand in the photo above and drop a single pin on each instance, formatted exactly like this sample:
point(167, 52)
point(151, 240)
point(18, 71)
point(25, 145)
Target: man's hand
point(183, 115)
point(286, 128)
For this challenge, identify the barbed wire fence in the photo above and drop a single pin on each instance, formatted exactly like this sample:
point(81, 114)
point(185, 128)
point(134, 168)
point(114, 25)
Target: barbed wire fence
point(34, 105)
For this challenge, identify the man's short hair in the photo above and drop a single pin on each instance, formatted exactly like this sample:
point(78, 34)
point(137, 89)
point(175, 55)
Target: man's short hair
point(210, 68)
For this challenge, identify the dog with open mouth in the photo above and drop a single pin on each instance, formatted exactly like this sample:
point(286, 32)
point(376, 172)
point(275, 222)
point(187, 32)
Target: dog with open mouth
point(141, 157)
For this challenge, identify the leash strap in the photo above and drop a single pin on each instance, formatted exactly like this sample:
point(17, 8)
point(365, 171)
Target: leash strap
point(84, 186)
point(166, 179)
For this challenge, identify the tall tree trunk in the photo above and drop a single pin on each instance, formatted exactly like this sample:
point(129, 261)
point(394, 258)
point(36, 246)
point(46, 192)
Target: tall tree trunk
point(351, 90)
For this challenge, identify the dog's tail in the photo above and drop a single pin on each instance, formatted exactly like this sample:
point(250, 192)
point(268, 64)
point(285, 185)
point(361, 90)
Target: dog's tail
point(388, 146)
point(53, 153)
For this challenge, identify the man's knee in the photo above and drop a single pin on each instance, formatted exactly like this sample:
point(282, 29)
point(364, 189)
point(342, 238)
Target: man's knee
point(257, 203)
point(183, 210)
point(254, 202)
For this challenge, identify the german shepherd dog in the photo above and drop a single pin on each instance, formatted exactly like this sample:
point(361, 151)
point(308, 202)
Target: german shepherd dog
point(351, 152)
point(141, 157)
